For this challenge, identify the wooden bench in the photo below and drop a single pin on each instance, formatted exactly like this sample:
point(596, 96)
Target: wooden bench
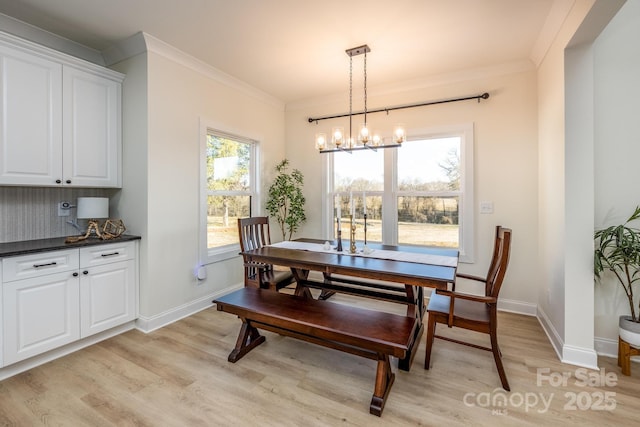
point(367, 333)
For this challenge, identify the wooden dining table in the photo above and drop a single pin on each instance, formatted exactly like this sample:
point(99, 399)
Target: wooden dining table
point(397, 274)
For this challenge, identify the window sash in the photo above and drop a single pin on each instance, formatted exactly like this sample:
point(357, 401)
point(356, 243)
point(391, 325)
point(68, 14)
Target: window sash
point(391, 193)
point(222, 252)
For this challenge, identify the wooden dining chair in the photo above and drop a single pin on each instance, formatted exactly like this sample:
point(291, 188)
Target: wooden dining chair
point(254, 234)
point(473, 312)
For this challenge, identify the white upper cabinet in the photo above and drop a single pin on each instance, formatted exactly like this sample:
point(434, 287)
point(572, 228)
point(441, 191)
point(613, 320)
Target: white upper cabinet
point(91, 130)
point(60, 119)
point(30, 119)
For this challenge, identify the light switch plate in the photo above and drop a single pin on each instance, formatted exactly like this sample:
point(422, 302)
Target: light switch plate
point(486, 207)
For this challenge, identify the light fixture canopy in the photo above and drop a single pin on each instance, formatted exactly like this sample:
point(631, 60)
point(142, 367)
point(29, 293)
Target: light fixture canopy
point(365, 139)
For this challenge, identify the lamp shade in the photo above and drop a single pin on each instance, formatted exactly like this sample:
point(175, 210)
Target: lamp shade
point(93, 207)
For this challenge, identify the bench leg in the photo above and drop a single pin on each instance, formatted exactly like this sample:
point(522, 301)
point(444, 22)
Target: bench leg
point(248, 338)
point(384, 380)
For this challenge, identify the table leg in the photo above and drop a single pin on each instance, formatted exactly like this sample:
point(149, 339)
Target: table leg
point(415, 308)
point(325, 294)
point(301, 275)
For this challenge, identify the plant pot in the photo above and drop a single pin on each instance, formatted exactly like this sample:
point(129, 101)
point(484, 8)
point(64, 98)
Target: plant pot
point(629, 331)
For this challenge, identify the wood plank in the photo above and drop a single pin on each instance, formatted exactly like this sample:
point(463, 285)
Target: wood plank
point(296, 383)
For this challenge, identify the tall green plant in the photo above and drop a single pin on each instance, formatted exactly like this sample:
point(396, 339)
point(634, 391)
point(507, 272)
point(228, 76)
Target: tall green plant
point(617, 250)
point(285, 200)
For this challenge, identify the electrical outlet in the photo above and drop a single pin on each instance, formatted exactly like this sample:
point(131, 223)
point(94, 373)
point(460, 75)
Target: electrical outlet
point(64, 209)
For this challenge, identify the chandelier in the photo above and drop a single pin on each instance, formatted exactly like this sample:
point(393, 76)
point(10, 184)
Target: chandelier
point(365, 138)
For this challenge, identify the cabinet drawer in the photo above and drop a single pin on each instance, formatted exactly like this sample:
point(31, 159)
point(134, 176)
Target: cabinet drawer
point(105, 254)
point(40, 264)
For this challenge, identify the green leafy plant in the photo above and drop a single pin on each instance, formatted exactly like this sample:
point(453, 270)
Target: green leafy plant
point(617, 249)
point(285, 200)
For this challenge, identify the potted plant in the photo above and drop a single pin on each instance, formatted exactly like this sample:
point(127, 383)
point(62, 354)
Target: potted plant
point(285, 201)
point(617, 249)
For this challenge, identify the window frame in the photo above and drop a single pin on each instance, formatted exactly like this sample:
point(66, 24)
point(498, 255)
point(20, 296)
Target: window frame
point(391, 193)
point(207, 127)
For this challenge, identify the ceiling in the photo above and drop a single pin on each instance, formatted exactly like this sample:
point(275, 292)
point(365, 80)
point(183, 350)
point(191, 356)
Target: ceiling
point(295, 49)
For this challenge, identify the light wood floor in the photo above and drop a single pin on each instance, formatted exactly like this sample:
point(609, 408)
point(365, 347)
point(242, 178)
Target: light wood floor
point(179, 376)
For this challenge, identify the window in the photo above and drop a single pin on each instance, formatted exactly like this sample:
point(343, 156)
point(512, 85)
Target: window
point(229, 191)
point(418, 194)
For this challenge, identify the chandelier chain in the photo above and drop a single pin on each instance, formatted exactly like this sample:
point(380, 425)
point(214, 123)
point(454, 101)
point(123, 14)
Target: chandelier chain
point(365, 88)
point(350, 94)
point(366, 140)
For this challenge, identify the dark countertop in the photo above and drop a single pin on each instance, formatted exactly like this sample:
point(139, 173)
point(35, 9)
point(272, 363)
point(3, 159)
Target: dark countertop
point(42, 245)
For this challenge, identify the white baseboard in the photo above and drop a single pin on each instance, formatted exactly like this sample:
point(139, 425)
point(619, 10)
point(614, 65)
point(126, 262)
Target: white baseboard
point(25, 365)
point(609, 348)
point(148, 324)
point(579, 356)
point(518, 307)
point(606, 347)
point(554, 337)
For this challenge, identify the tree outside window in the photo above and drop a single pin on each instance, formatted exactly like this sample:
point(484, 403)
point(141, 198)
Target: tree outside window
point(414, 194)
point(229, 187)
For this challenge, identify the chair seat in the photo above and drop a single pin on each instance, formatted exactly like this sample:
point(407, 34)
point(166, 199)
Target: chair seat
point(464, 309)
point(278, 278)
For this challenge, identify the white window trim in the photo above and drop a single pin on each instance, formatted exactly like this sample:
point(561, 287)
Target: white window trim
point(207, 255)
point(467, 225)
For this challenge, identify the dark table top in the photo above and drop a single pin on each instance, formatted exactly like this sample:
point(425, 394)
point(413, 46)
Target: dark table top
point(335, 263)
point(43, 245)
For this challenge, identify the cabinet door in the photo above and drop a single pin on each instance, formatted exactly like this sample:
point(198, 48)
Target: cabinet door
point(30, 119)
point(91, 129)
point(107, 296)
point(39, 314)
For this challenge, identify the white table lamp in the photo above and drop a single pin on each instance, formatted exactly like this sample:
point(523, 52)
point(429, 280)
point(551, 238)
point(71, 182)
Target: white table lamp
point(92, 209)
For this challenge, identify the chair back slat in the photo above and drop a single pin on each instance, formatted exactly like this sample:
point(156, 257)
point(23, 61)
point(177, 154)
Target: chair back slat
point(253, 232)
point(499, 261)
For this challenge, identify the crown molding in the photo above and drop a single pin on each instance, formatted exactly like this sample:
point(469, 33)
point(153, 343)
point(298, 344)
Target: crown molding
point(124, 49)
point(45, 38)
point(552, 25)
point(143, 42)
point(66, 59)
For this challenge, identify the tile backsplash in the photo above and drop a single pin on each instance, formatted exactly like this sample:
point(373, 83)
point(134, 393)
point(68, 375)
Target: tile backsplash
point(28, 213)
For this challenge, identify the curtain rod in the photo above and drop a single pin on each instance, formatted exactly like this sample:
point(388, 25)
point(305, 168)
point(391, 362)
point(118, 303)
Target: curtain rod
point(400, 107)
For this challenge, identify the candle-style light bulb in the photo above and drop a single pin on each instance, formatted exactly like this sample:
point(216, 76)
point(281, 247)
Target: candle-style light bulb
point(363, 137)
point(321, 141)
point(399, 135)
point(337, 136)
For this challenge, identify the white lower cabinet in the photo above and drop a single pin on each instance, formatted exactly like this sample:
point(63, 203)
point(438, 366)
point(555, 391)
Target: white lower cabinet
point(40, 314)
point(107, 297)
point(44, 308)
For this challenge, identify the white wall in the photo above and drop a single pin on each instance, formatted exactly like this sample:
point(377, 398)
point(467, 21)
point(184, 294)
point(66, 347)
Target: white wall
point(567, 117)
point(617, 146)
point(166, 96)
point(131, 203)
point(505, 158)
